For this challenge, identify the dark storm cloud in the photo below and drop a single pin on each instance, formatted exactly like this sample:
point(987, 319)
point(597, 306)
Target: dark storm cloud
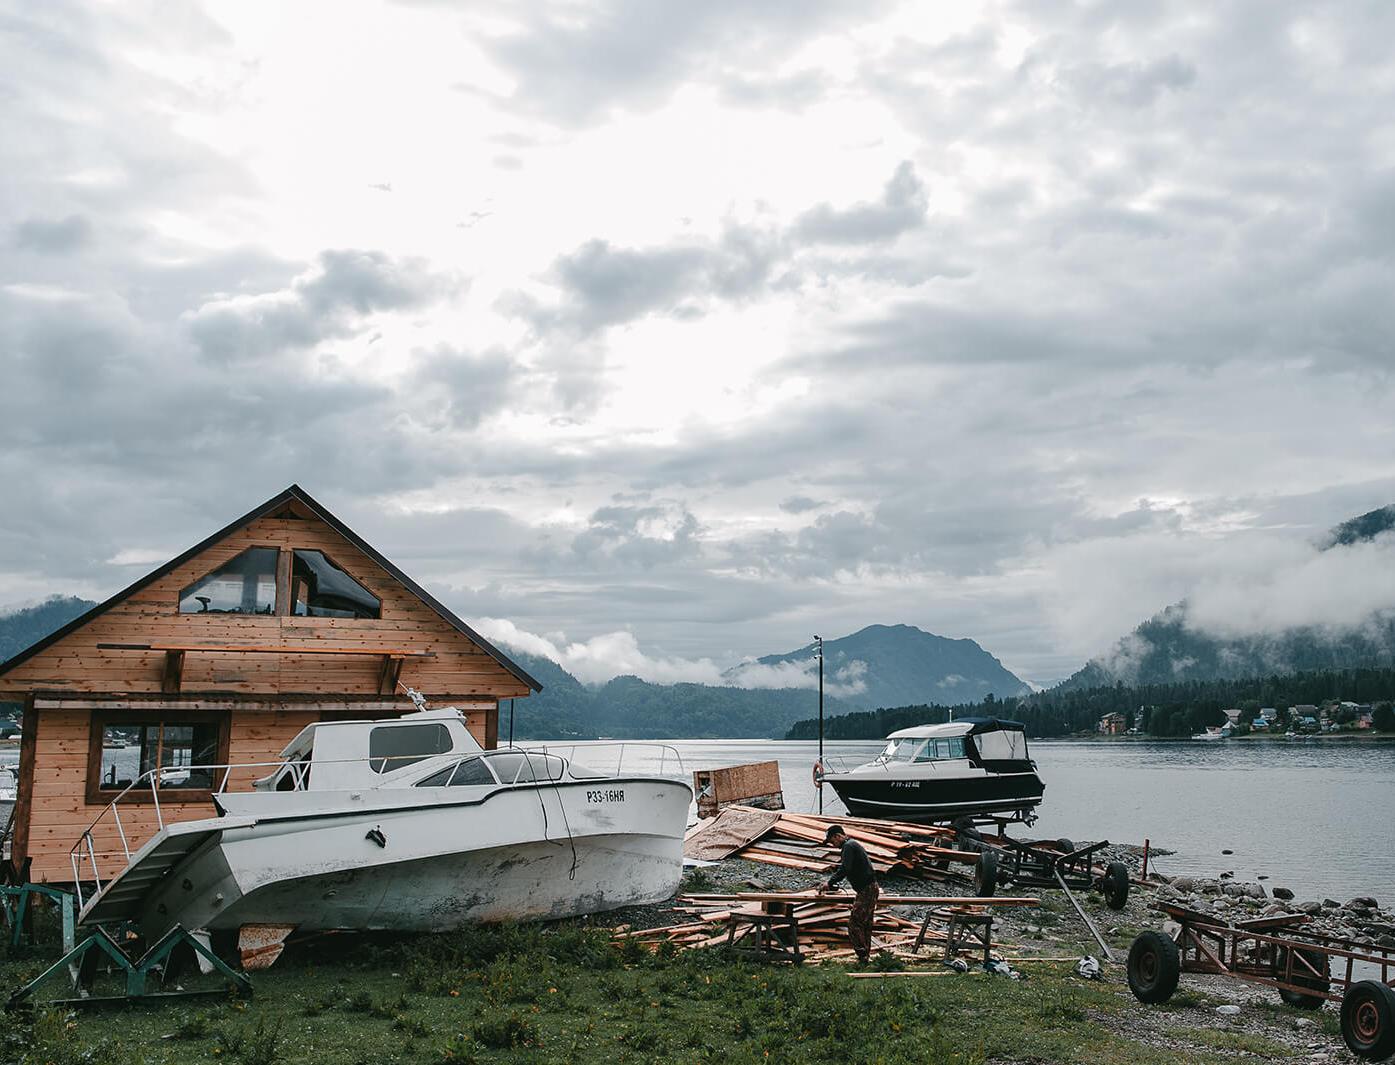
point(55, 237)
point(632, 54)
point(328, 302)
point(901, 208)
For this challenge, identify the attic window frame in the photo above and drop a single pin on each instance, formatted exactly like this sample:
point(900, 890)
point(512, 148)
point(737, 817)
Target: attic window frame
point(284, 607)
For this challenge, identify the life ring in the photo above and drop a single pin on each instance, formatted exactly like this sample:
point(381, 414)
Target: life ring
point(817, 773)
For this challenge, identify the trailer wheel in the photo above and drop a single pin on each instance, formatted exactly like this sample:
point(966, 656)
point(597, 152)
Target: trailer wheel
point(986, 874)
point(1368, 1019)
point(1065, 845)
point(1153, 967)
point(1115, 885)
point(1318, 961)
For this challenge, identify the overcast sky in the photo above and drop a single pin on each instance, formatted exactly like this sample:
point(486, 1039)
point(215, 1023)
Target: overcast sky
point(664, 334)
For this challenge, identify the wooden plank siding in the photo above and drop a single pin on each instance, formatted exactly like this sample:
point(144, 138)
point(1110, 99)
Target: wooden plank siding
point(268, 697)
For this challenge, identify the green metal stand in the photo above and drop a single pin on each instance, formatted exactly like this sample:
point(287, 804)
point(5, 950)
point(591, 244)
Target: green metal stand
point(15, 903)
point(137, 971)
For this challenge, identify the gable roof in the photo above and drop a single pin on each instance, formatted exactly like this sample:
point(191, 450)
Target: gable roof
point(292, 494)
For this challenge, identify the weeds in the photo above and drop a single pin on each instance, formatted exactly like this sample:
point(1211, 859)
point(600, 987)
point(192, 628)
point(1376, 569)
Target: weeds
point(507, 1033)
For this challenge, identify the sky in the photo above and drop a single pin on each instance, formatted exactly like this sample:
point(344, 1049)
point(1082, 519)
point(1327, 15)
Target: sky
point(654, 336)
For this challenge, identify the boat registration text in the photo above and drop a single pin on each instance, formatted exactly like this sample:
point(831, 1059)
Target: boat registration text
point(606, 795)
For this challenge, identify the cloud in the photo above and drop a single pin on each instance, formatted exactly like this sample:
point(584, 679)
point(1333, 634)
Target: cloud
point(61, 236)
point(632, 54)
point(330, 301)
point(601, 285)
point(902, 207)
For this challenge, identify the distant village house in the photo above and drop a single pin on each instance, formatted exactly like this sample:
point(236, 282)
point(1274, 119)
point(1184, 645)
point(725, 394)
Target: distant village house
point(1112, 724)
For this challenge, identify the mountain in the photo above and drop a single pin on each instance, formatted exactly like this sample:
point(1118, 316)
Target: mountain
point(898, 665)
point(22, 628)
point(1167, 648)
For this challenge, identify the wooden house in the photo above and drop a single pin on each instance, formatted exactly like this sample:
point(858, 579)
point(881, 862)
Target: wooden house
point(283, 618)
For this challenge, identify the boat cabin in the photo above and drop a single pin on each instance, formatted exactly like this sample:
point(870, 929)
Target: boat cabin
point(281, 623)
point(990, 742)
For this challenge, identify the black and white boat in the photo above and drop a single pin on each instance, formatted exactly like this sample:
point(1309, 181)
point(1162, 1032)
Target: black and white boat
point(976, 767)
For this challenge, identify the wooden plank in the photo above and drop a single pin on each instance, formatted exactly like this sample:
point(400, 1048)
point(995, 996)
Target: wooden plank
point(264, 649)
point(174, 671)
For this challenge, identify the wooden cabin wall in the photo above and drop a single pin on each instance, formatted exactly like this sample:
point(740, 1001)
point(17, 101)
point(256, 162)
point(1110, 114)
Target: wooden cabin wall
point(151, 616)
point(56, 812)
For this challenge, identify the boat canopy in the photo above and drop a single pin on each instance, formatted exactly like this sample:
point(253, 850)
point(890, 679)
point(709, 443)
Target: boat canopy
point(965, 726)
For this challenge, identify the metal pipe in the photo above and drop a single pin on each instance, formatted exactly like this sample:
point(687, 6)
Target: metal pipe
point(116, 816)
point(1108, 954)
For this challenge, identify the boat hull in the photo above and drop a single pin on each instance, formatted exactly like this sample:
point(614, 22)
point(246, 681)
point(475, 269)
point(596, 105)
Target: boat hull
point(926, 800)
point(519, 853)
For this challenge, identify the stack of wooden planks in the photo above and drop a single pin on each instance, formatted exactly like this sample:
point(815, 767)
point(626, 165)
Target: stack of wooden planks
point(822, 921)
point(922, 852)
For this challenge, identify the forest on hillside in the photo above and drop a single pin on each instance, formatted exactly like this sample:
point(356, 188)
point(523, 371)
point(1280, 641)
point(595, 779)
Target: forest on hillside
point(1178, 709)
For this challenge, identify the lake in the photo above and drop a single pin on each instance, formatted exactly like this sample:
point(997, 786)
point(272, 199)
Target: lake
point(1316, 816)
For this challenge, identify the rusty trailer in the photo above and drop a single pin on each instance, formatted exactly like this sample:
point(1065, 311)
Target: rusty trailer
point(1306, 967)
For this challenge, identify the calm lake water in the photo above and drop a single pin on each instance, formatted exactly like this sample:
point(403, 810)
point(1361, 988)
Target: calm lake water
point(1317, 816)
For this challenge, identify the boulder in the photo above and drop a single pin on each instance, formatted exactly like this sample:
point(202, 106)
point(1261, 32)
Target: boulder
point(1283, 893)
point(1183, 884)
point(1363, 902)
point(1310, 907)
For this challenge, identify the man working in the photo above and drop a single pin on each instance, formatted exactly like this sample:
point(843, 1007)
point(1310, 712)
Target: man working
point(857, 868)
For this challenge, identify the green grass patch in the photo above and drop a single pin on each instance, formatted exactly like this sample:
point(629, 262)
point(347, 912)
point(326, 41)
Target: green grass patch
point(565, 993)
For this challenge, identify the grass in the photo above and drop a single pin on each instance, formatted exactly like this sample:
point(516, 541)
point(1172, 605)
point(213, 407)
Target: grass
point(564, 993)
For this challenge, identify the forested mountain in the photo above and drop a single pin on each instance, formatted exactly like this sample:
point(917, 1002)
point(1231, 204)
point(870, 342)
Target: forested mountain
point(1167, 647)
point(22, 628)
point(891, 665)
point(1178, 709)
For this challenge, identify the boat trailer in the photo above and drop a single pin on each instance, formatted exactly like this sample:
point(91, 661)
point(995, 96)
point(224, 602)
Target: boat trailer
point(1307, 968)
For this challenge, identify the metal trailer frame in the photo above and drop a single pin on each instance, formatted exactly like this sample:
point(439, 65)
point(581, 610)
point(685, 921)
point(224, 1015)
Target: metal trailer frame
point(1306, 967)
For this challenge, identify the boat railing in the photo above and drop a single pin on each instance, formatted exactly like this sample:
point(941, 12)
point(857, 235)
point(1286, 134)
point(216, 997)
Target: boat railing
point(85, 857)
point(641, 754)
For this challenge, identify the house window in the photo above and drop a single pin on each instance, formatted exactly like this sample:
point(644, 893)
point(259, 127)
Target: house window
point(395, 746)
point(245, 584)
point(320, 589)
point(175, 753)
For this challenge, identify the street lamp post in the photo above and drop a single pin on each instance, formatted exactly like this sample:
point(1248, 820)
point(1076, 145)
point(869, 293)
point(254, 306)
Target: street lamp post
point(818, 653)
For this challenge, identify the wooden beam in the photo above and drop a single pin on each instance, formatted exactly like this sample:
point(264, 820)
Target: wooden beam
point(253, 649)
point(283, 582)
point(391, 672)
point(174, 672)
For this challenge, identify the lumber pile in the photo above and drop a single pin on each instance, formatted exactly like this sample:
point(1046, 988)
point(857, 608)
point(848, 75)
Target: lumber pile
point(795, 841)
point(821, 919)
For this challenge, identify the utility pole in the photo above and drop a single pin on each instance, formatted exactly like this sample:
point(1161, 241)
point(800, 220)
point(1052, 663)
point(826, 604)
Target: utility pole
point(818, 653)
point(510, 722)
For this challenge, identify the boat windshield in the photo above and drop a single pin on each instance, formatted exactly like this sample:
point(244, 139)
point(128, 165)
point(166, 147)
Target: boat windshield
point(914, 749)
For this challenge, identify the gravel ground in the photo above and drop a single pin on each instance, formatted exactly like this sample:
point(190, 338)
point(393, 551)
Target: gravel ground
point(1263, 1030)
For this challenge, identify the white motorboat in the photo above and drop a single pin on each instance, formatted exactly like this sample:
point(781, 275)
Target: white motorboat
point(1212, 734)
point(976, 767)
point(402, 824)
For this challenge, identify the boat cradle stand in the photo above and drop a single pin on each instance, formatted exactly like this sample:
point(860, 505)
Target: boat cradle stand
point(81, 961)
point(15, 902)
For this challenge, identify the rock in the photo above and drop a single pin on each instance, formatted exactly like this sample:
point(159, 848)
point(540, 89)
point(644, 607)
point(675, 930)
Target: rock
point(1305, 1022)
point(1310, 907)
point(755, 883)
point(1254, 891)
point(1282, 893)
point(1227, 852)
point(1183, 884)
point(1362, 902)
point(1331, 904)
point(1262, 876)
point(1228, 874)
point(1227, 1010)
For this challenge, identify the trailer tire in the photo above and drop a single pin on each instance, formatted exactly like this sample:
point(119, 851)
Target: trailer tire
point(1154, 967)
point(1368, 1019)
point(1297, 999)
point(986, 874)
point(1115, 885)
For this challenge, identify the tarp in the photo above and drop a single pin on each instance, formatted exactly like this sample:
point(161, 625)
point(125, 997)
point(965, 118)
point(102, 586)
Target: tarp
point(727, 833)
